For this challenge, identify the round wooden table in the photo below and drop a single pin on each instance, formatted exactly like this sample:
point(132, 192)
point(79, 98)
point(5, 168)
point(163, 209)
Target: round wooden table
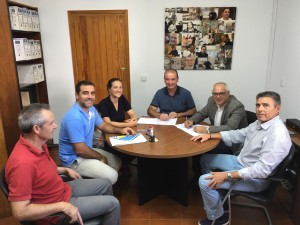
point(163, 165)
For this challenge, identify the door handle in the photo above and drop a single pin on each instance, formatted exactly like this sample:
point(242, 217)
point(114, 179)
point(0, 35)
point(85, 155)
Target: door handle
point(123, 68)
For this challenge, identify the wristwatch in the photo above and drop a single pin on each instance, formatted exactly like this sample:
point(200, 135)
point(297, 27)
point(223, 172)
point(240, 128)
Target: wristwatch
point(207, 128)
point(229, 176)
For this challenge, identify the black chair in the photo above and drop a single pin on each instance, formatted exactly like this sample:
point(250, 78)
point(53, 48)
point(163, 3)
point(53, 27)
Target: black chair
point(63, 218)
point(261, 197)
point(251, 116)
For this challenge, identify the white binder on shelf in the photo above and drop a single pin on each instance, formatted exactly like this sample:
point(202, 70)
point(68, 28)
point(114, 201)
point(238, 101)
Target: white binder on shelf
point(27, 48)
point(25, 19)
point(41, 76)
point(35, 45)
point(19, 48)
point(29, 19)
point(20, 16)
point(39, 49)
point(32, 53)
point(28, 74)
point(35, 20)
point(14, 17)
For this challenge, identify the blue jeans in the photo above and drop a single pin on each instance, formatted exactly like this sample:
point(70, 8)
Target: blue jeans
point(220, 149)
point(95, 201)
point(211, 197)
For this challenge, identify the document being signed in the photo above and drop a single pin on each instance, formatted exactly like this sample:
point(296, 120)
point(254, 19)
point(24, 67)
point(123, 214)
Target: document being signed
point(189, 130)
point(155, 121)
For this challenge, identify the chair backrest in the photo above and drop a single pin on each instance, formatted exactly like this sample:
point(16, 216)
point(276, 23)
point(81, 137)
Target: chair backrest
point(279, 173)
point(64, 219)
point(3, 184)
point(251, 116)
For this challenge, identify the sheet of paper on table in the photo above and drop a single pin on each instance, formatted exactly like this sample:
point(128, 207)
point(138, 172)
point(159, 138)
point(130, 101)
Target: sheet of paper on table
point(189, 130)
point(126, 140)
point(155, 121)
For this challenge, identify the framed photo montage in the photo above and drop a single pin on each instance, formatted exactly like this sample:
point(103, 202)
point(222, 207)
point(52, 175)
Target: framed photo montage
point(199, 38)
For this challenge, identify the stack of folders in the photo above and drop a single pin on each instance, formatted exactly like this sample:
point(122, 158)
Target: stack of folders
point(24, 19)
point(127, 139)
point(27, 49)
point(30, 74)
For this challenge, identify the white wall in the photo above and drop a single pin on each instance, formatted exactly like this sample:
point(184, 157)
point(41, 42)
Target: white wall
point(250, 67)
point(286, 60)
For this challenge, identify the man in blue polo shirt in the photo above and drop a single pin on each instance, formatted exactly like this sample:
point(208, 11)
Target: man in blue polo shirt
point(171, 101)
point(76, 137)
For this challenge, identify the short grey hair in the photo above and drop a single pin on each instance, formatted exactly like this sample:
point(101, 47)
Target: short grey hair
point(223, 83)
point(271, 94)
point(31, 115)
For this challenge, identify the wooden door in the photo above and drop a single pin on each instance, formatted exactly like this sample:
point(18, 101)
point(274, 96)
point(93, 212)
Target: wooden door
point(99, 41)
point(4, 205)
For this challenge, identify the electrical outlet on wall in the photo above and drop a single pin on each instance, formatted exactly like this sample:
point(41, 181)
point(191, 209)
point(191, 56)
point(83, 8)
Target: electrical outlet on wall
point(281, 82)
point(143, 78)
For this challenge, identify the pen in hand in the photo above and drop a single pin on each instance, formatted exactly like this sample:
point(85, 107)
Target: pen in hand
point(164, 116)
point(188, 123)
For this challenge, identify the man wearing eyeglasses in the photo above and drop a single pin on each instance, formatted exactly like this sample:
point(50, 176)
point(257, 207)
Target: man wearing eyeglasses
point(225, 112)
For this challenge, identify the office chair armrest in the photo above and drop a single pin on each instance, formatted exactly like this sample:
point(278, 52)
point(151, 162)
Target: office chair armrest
point(237, 153)
point(65, 177)
point(279, 179)
point(64, 219)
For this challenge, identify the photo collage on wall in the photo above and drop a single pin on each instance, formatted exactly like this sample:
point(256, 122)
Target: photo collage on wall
point(199, 38)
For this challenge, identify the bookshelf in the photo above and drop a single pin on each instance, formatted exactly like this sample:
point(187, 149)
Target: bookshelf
point(12, 90)
point(28, 57)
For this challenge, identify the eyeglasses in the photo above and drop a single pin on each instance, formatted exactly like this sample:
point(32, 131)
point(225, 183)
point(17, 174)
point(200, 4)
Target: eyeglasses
point(221, 94)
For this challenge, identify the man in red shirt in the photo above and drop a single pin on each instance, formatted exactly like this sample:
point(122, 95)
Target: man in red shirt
point(35, 188)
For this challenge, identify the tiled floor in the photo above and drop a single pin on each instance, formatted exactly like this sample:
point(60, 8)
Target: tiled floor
point(164, 211)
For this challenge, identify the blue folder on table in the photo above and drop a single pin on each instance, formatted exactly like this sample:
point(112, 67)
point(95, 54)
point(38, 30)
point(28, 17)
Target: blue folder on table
point(128, 137)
